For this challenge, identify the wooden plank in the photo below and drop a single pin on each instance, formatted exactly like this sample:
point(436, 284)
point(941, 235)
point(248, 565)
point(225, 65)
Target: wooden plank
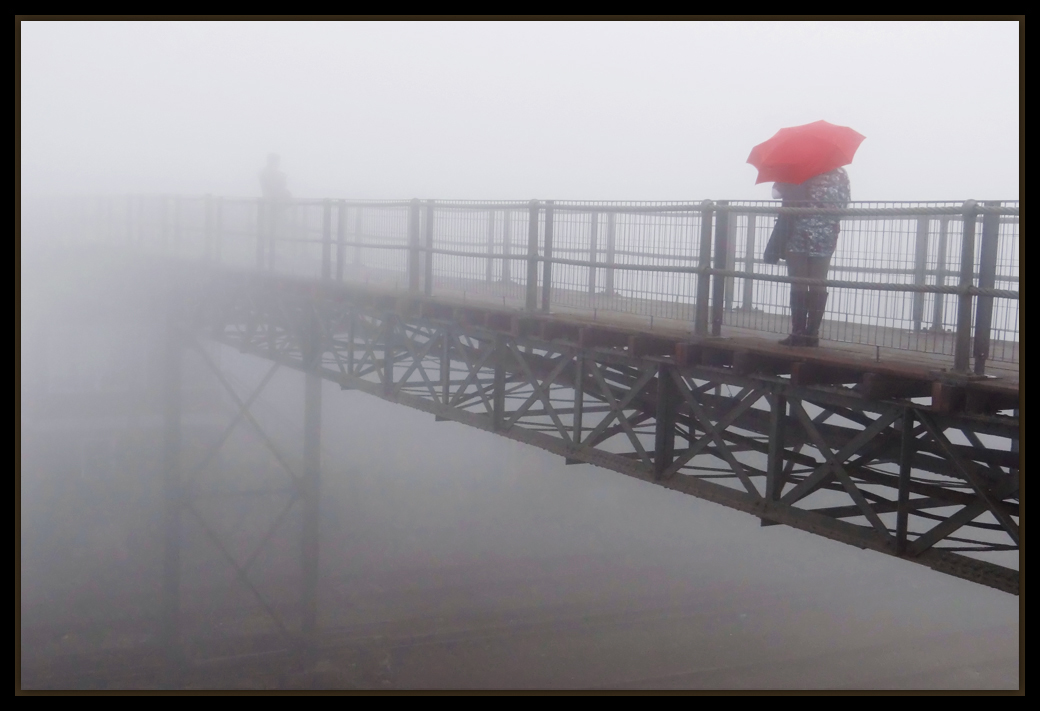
point(640, 345)
point(556, 330)
point(500, 321)
point(687, 354)
point(526, 326)
point(434, 310)
point(599, 337)
point(947, 398)
point(882, 386)
point(805, 374)
point(749, 363)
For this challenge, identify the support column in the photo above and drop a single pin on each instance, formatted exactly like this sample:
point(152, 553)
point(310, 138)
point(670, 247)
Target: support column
point(664, 439)
point(499, 387)
point(311, 491)
point(172, 496)
point(906, 453)
point(775, 461)
point(579, 403)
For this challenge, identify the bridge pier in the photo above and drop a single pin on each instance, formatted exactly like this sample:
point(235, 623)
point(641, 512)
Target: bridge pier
point(173, 497)
point(311, 490)
point(821, 433)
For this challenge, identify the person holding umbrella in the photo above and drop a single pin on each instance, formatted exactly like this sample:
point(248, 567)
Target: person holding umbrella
point(806, 164)
point(810, 247)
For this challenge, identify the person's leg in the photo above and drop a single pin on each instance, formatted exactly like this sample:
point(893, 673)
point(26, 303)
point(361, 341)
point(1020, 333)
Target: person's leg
point(797, 266)
point(816, 268)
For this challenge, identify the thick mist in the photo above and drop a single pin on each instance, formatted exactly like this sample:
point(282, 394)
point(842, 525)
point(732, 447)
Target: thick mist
point(513, 110)
point(428, 525)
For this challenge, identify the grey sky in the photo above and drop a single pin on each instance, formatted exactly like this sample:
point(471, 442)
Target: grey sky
point(620, 110)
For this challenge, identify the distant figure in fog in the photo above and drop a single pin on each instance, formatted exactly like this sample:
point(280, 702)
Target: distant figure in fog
point(277, 208)
point(272, 180)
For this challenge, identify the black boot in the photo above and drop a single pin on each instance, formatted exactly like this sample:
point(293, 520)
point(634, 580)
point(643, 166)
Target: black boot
point(816, 308)
point(799, 315)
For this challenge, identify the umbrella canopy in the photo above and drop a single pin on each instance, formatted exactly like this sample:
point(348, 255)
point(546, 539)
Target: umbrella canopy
point(796, 154)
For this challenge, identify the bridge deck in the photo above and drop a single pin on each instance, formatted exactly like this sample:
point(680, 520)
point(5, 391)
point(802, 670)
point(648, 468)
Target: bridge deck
point(922, 365)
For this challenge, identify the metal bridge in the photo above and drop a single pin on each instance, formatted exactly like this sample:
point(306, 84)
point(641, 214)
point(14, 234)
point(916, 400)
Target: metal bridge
point(637, 337)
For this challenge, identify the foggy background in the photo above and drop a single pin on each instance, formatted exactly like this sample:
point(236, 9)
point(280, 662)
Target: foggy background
point(425, 519)
point(517, 110)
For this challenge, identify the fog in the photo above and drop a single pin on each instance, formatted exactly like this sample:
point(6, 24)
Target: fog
point(548, 110)
point(431, 527)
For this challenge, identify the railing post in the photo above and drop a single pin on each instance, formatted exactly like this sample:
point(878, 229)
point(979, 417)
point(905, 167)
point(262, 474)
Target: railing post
point(940, 274)
point(593, 250)
point(547, 264)
point(358, 224)
point(489, 262)
point(703, 306)
point(428, 281)
point(920, 265)
point(988, 251)
point(532, 257)
point(718, 283)
point(413, 246)
point(748, 300)
point(507, 247)
point(731, 259)
point(341, 237)
point(962, 345)
point(326, 240)
point(608, 275)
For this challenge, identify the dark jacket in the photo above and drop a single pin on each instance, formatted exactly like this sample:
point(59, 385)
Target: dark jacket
point(792, 196)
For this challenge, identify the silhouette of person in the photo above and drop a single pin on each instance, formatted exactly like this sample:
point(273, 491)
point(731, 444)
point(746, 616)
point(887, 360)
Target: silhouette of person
point(272, 180)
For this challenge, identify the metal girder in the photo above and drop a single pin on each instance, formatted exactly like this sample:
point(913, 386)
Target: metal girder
point(573, 400)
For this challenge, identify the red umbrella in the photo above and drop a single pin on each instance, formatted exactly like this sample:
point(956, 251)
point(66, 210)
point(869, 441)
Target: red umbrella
point(796, 154)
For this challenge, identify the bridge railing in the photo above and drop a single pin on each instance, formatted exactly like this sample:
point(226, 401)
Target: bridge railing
point(935, 277)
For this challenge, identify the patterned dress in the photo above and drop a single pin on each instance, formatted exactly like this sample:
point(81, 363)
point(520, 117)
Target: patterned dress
point(817, 235)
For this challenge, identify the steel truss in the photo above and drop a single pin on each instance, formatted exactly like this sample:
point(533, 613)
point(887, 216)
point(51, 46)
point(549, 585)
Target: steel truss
point(184, 491)
point(893, 476)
